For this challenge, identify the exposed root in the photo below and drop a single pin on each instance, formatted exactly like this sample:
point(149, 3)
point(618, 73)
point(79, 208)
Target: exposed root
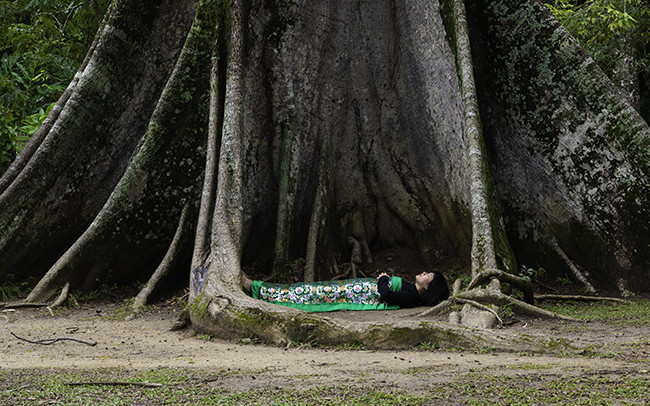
point(49, 341)
point(580, 298)
point(476, 297)
point(165, 265)
point(342, 275)
point(576, 273)
point(520, 283)
point(496, 297)
point(478, 306)
point(355, 258)
point(182, 321)
point(63, 296)
point(22, 305)
point(203, 227)
point(458, 284)
point(437, 309)
point(453, 300)
point(317, 221)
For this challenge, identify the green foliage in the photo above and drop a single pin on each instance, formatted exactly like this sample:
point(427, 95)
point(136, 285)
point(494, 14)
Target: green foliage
point(427, 346)
point(531, 274)
point(124, 311)
point(602, 26)
point(595, 22)
point(11, 289)
point(42, 43)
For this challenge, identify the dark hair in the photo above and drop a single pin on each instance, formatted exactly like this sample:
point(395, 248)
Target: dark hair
point(436, 292)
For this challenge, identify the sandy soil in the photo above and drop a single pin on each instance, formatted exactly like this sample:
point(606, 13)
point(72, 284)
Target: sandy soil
point(146, 343)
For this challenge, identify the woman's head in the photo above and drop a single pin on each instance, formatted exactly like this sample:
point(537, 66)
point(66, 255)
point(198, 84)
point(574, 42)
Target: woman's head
point(436, 292)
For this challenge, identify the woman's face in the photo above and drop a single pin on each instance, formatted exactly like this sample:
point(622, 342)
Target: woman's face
point(424, 278)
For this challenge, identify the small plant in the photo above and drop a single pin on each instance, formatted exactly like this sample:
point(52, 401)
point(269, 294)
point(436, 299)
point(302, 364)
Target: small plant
point(302, 345)
point(352, 346)
point(506, 308)
point(125, 310)
point(483, 350)
point(11, 289)
point(103, 291)
point(427, 346)
point(531, 274)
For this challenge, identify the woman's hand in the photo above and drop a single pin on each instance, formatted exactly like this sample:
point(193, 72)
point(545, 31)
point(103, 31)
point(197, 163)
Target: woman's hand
point(382, 274)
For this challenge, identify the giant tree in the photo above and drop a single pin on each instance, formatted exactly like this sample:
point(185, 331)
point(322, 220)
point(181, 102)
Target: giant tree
point(205, 138)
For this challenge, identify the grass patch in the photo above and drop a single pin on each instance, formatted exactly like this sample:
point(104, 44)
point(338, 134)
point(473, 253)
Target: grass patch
point(539, 389)
point(215, 387)
point(635, 313)
point(179, 387)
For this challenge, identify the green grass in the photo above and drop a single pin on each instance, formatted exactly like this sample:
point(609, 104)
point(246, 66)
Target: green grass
point(179, 387)
point(540, 389)
point(637, 312)
point(212, 387)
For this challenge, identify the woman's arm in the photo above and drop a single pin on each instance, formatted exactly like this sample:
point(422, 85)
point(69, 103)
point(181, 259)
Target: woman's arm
point(403, 298)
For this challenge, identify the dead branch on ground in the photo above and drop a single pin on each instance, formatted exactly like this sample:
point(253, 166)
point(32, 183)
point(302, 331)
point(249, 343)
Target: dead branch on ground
point(116, 383)
point(49, 341)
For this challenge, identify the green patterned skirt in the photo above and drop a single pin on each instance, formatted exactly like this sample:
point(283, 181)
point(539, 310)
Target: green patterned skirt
point(326, 296)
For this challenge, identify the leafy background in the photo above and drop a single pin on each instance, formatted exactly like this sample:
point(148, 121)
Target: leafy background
point(42, 43)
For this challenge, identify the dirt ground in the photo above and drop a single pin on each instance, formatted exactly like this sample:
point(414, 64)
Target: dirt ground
point(147, 342)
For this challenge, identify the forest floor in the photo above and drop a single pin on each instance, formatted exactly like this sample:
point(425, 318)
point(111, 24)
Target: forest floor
point(195, 369)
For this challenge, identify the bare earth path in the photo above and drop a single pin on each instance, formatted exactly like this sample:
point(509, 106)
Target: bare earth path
point(146, 343)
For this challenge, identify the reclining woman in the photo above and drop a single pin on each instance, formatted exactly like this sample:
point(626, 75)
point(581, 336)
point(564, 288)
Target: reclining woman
point(383, 293)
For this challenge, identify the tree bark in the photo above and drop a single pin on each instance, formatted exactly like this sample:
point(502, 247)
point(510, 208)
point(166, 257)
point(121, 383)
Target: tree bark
point(570, 155)
point(55, 193)
point(330, 131)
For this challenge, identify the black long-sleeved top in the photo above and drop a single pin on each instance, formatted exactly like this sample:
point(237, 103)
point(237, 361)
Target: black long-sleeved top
point(407, 297)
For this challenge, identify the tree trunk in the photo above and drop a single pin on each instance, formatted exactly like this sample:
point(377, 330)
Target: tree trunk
point(63, 185)
point(329, 132)
point(571, 157)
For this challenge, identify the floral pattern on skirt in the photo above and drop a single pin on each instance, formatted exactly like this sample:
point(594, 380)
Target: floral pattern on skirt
point(359, 291)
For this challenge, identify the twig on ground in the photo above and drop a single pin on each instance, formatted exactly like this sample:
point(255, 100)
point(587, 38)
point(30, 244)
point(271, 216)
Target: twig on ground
point(49, 341)
point(116, 383)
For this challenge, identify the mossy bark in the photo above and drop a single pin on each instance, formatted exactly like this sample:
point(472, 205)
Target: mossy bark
point(571, 157)
point(87, 148)
point(161, 178)
point(490, 246)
